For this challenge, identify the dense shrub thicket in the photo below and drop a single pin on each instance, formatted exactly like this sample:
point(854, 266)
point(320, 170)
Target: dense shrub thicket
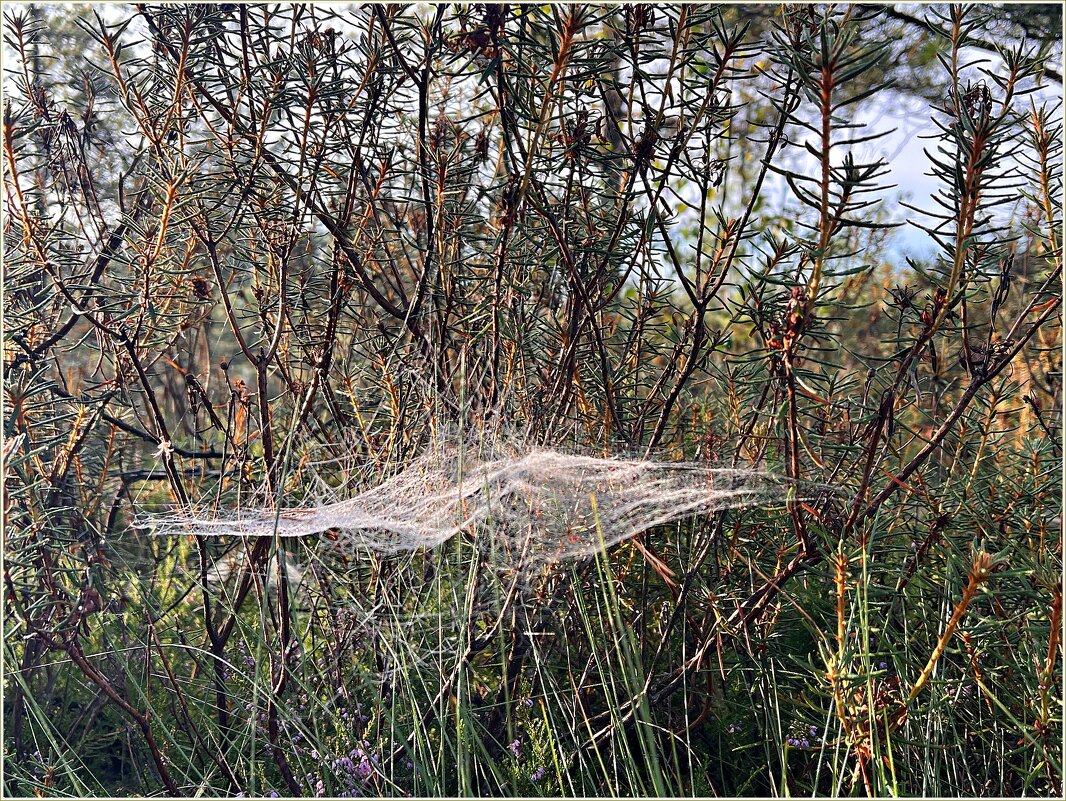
point(254, 254)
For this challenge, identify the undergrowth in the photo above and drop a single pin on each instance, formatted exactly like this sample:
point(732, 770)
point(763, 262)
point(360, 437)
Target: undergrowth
point(260, 255)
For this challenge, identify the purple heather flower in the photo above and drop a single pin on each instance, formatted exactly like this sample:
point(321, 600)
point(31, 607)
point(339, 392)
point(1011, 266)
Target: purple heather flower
point(537, 775)
point(805, 743)
point(515, 748)
point(273, 794)
point(320, 788)
point(814, 731)
point(883, 666)
point(528, 702)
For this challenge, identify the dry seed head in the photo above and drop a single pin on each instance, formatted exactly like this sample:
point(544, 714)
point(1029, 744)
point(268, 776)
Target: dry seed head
point(983, 563)
point(840, 568)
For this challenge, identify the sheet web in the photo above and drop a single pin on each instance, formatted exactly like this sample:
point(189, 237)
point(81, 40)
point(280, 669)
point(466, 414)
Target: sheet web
point(526, 506)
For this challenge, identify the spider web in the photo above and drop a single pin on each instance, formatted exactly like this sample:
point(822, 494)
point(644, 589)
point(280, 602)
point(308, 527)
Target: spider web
point(527, 506)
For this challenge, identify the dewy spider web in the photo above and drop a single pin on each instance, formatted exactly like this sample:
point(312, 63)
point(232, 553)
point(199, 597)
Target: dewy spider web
point(527, 506)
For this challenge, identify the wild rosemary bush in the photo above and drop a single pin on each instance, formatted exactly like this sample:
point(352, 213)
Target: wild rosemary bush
point(255, 254)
